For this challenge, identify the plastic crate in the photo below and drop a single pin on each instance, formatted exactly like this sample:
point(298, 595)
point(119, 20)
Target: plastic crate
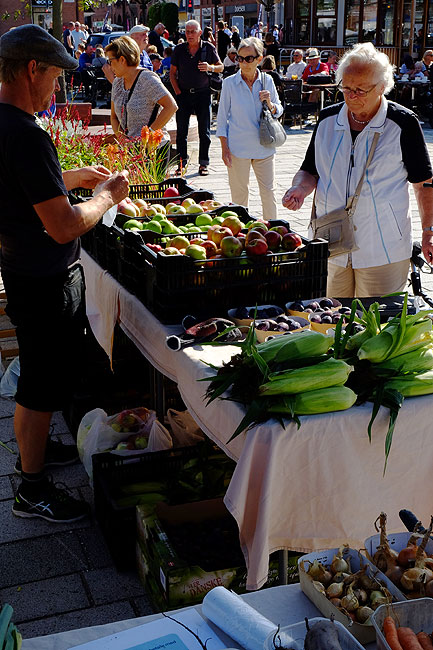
point(154, 193)
point(416, 614)
point(173, 286)
point(397, 542)
point(298, 632)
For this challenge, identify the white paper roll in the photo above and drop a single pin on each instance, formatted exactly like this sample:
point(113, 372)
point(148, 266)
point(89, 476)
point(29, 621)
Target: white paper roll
point(237, 619)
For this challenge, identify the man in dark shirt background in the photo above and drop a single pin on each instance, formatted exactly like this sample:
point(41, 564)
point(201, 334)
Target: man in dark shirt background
point(191, 64)
point(40, 252)
point(155, 37)
point(67, 38)
point(223, 41)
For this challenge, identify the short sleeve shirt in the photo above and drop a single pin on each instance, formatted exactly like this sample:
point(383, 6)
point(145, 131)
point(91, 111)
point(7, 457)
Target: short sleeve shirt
point(137, 112)
point(30, 173)
point(188, 74)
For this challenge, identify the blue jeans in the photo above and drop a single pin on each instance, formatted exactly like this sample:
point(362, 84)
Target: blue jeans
point(189, 103)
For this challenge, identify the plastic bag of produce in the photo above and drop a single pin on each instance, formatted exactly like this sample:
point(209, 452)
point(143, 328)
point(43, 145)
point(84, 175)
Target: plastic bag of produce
point(9, 379)
point(130, 432)
point(184, 429)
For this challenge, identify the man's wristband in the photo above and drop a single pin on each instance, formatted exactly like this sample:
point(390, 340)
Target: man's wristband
point(428, 229)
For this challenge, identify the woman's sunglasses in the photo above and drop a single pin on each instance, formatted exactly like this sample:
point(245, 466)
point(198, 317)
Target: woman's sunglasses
point(247, 59)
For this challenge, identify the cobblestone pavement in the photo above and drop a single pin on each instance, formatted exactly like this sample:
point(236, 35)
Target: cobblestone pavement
point(60, 577)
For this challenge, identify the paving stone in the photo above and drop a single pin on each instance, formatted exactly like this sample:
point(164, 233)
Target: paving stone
point(46, 597)
point(7, 427)
point(39, 558)
point(94, 547)
point(8, 460)
point(6, 491)
point(16, 528)
point(7, 407)
point(78, 619)
point(108, 585)
point(59, 423)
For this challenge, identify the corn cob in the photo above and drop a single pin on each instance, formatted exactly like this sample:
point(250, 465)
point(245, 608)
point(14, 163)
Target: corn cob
point(331, 372)
point(418, 360)
point(324, 400)
point(387, 344)
point(295, 346)
point(413, 385)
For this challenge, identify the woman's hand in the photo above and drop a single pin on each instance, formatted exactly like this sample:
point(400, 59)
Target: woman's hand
point(294, 198)
point(265, 96)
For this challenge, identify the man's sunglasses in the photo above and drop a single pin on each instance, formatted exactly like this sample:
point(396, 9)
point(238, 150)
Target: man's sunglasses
point(247, 59)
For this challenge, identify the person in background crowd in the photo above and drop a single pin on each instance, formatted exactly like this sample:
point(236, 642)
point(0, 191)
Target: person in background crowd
point(78, 36)
point(84, 65)
point(180, 40)
point(271, 48)
point(131, 111)
point(191, 64)
point(275, 33)
point(166, 61)
point(78, 52)
point(236, 39)
point(334, 164)
point(152, 49)
point(314, 66)
point(42, 247)
point(227, 30)
point(208, 36)
point(67, 38)
point(269, 66)
point(230, 60)
point(427, 59)
point(239, 111)
point(281, 33)
point(99, 59)
point(140, 34)
point(155, 38)
point(156, 62)
point(223, 41)
point(257, 31)
point(332, 62)
point(408, 65)
point(298, 66)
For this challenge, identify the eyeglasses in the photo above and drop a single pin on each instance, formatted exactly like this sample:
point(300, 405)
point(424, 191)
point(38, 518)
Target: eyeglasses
point(110, 61)
point(247, 59)
point(358, 92)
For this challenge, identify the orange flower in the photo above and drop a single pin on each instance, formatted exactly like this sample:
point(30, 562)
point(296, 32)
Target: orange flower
point(154, 140)
point(145, 132)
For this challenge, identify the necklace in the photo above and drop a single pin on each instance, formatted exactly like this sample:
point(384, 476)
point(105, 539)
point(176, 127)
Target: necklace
point(358, 121)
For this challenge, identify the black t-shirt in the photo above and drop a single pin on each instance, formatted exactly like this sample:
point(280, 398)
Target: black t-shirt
point(155, 39)
point(30, 173)
point(223, 43)
point(414, 152)
point(188, 74)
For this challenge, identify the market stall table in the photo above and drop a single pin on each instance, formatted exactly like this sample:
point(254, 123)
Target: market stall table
point(282, 605)
point(301, 489)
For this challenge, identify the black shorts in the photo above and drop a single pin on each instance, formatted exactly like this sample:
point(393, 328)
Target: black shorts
point(50, 319)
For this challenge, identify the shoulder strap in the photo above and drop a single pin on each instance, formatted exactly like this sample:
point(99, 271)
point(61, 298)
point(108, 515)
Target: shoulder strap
point(125, 107)
point(353, 200)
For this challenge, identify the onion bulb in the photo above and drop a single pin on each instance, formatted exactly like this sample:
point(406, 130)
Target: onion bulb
point(363, 614)
point(350, 601)
point(318, 585)
point(377, 598)
point(339, 563)
point(335, 601)
point(395, 574)
point(335, 590)
point(407, 555)
point(341, 576)
point(412, 579)
point(361, 595)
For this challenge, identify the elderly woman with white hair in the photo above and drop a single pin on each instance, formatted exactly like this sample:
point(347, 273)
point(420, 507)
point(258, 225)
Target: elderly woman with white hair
point(334, 166)
point(239, 112)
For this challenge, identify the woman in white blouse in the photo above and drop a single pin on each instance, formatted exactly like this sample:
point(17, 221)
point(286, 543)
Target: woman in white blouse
point(239, 111)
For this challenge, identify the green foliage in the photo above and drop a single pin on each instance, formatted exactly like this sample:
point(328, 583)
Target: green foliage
point(154, 14)
point(170, 16)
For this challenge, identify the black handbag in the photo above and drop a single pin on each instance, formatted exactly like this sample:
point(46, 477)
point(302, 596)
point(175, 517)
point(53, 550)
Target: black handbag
point(215, 78)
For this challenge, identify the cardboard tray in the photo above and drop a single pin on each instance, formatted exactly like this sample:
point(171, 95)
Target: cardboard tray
point(262, 335)
point(364, 633)
point(416, 614)
point(298, 632)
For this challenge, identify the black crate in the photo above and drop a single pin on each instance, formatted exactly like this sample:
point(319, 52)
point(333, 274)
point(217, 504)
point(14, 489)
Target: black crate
point(111, 472)
point(154, 193)
point(173, 286)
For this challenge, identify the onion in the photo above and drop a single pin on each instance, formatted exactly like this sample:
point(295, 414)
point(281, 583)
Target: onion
point(377, 598)
point(318, 585)
point(350, 601)
point(407, 556)
point(361, 595)
point(385, 557)
point(412, 579)
point(341, 577)
point(394, 574)
point(315, 570)
point(363, 614)
point(335, 601)
point(339, 563)
point(335, 590)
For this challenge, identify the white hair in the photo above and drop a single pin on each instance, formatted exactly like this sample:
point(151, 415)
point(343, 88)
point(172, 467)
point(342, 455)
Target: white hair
point(365, 54)
point(253, 42)
point(193, 22)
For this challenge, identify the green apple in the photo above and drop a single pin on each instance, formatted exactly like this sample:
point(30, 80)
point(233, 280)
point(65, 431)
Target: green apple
point(132, 224)
point(196, 252)
point(187, 202)
point(217, 221)
point(194, 209)
point(194, 229)
point(159, 207)
point(204, 228)
point(229, 213)
point(179, 242)
point(183, 228)
point(176, 209)
point(171, 250)
point(203, 220)
point(158, 217)
point(168, 228)
point(155, 226)
point(189, 225)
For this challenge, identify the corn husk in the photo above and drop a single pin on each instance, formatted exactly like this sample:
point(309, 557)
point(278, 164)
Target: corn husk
point(332, 372)
point(416, 361)
point(324, 400)
point(412, 385)
point(295, 346)
point(397, 338)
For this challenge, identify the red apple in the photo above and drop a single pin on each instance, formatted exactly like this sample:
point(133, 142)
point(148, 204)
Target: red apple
point(291, 241)
point(197, 241)
point(231, 247)
point(219, 233)
point(171, 191)
point(254, 234)
point(273, 240)
point(233, 223)
point(242, 238)
point(282, 230)
point(256, 247)
point(210, 247)
point(210, 231)
point(258, 225)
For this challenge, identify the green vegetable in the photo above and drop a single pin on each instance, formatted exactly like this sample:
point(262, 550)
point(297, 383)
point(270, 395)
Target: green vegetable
point(324, 400)
point(412, 385)
point(331, 372)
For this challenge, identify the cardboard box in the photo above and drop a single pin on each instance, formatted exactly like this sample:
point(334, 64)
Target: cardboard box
point(172, 581)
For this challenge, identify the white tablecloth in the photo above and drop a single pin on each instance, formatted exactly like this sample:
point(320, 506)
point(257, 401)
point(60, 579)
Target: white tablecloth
point(305, 489)
point(282, 605)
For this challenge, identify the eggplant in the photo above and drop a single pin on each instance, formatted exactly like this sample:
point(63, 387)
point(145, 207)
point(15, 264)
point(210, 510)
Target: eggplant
point(322, 636)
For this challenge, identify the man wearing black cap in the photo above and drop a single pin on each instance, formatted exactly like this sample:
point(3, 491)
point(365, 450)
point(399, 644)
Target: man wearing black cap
point(40, 251)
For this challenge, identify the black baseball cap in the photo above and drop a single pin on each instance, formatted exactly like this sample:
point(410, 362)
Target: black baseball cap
point(32, 42)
